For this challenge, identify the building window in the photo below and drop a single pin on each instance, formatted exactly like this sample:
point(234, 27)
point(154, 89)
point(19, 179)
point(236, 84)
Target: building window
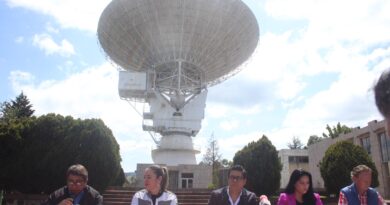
point(385, 146)
point(187, 180)
point(365, 142)
point(298, 159)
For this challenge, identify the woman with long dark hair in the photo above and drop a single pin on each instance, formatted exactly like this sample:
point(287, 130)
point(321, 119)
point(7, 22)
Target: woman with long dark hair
point(299, 190)
point(155, 192)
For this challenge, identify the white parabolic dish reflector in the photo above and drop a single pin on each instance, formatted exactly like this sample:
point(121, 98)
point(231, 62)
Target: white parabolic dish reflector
point(210, 37)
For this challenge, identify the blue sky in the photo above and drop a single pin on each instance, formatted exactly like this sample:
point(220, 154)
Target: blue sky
point(315, 65)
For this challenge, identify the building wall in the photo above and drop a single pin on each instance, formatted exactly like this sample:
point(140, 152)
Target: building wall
point(201, 175)
point(371, 131)
point(289, 167)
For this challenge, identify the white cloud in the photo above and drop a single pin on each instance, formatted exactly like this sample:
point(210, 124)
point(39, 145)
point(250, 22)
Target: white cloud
point(283, 63)
point(46, 43)
point(345, 97)
point(221, 110)
point(82, 15)
point(289, 88)
point(216, 110)
point(333, 20)
point(332, 37)
point(18, 78)
point(228, 146)
point(51, 29)
point(348, 101)
point(229, 125)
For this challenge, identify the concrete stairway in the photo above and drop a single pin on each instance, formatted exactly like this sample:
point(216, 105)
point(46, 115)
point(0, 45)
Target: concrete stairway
point(123, 196)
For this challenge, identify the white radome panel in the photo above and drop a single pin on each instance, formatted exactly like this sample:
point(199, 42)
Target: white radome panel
point(213, 36)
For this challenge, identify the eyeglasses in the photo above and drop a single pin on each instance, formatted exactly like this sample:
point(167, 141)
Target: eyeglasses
point(235, 178)
point(77, 182)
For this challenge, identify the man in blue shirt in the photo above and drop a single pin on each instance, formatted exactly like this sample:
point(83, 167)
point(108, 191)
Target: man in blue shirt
point(360, 192)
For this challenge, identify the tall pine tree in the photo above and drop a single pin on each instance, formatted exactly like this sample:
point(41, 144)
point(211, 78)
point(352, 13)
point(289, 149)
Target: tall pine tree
point(18, 108)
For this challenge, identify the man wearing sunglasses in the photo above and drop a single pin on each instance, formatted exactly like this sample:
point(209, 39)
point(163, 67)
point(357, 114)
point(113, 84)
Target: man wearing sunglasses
point(76, 191)
point(234, 193)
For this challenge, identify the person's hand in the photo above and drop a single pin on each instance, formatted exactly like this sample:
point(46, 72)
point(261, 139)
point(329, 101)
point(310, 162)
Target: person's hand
point(67, 201)
point(264, 200)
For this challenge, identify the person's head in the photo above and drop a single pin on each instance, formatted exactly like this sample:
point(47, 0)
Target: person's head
point(236, 178)
point(382, 96)
point(361, 176)
point(301, 183)
point(156, 179)
point(76, 178)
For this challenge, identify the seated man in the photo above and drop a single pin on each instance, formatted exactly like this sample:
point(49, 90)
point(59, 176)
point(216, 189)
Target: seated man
point(76, 191)
point(360, 192)
point(235, 193)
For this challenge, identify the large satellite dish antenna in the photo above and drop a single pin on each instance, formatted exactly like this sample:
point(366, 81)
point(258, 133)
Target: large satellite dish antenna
point(169, 52)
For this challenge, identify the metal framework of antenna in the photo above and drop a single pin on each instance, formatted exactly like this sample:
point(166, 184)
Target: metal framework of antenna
point(170, 52)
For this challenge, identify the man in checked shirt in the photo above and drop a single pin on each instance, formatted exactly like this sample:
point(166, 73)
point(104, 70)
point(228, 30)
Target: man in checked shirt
point(360, 192)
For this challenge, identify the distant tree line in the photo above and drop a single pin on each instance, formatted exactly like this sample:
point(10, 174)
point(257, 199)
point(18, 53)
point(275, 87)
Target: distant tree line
point(333, 132)
point(35, 152)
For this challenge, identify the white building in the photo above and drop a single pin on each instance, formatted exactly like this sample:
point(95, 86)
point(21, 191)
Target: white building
point(181, 176)
point(292, 159)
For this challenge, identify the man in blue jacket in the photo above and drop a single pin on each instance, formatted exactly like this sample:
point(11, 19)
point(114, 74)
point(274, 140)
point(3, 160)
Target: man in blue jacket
point(360, 192)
